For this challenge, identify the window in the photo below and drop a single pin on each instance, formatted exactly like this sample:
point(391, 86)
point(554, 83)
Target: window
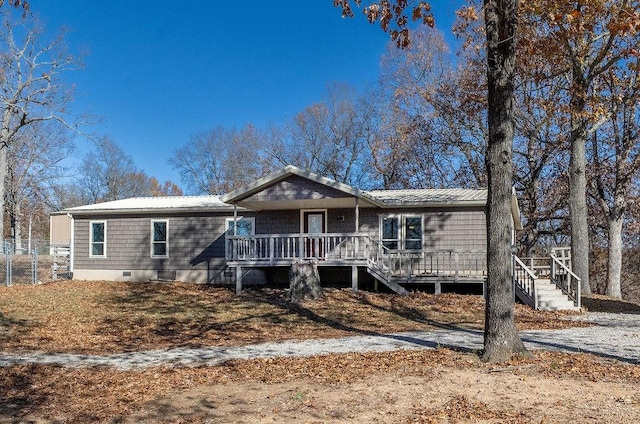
point(413, 232)
point(390, 232)
point(401, 232)
point(159, 239)
point(98, 237)
point(244, 226)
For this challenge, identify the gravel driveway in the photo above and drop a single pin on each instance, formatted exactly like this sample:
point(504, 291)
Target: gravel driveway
point(617, 336)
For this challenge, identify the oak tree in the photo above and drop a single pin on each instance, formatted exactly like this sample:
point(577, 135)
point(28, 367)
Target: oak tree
point(501, 339)
point(582, 41)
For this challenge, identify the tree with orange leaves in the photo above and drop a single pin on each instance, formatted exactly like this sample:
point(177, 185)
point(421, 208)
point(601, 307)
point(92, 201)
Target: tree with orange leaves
point(501, 339)
point(580, 42)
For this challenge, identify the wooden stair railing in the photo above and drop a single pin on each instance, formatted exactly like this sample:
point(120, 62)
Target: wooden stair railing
point(524, 281)
point(565, 279)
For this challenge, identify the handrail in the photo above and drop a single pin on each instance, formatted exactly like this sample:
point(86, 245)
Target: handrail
point(531, 288)
point(577, 298)
point(429, 262)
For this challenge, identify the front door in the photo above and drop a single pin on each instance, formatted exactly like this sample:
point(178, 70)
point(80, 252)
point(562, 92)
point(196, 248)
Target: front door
point(314, 225)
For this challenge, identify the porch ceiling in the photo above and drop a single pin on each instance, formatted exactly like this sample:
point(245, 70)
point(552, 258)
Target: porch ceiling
point(327, 203)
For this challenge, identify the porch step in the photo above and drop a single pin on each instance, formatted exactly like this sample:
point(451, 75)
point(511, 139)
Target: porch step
point(550, 298)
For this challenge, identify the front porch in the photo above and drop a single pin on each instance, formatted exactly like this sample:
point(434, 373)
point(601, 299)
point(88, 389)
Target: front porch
point(393, 268)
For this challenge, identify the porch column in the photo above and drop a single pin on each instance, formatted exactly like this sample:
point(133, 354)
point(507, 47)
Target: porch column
point(357, 218)
point(357, 240)
point(235, 219)
point(238, 280)
point(354, 278)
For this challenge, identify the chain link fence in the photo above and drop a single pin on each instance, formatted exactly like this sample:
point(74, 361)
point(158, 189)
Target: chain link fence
point(32, 262)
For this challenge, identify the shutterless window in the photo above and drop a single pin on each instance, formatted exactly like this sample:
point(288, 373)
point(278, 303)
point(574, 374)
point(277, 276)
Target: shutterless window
point(413, 232)
point(159, 239)
point(98, 237)
point(390, 232)
point(244, 226)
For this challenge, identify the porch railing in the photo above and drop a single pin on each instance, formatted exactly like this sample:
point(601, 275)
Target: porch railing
point(272, 248)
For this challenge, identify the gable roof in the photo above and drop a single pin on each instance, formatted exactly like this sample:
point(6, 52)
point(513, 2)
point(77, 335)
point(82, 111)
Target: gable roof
point(248, 190)
point(154, 204)
point(373, 198)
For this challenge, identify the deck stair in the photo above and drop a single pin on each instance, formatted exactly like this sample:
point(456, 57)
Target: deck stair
point(382, 274)
point(551, 298)
point(549, 287)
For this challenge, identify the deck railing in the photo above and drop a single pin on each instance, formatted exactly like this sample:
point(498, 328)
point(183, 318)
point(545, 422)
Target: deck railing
point(273, 248)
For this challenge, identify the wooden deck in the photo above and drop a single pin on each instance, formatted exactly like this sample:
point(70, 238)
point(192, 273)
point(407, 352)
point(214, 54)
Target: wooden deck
point(391, 267)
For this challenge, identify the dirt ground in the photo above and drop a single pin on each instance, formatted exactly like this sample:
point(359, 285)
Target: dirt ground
point(435, 386)
point(445, 396)
point(430, 386)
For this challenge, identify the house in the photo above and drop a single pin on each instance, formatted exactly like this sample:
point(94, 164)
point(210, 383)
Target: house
point(393, 237)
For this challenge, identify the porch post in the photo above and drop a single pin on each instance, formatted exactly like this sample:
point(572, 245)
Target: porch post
point(238, 280)
point(354, 278)
point(235, 219)
point(357, 240)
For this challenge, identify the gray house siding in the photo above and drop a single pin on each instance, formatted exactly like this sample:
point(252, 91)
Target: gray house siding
point(296, 187)
point(462, 228)
point(196, 247)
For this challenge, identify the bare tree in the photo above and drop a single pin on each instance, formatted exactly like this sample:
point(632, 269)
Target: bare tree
point(329, 137)
point(35, 164)
point(219, 160)
point(107, 173)
point(31, 89)
point(437, 110)
point(615, 162)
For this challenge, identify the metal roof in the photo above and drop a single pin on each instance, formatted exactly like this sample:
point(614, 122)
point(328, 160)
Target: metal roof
point(155, 204)
point(421, 197)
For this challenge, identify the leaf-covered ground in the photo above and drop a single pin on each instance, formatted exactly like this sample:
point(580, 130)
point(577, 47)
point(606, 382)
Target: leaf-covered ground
point(436, 386)
point(109, 317)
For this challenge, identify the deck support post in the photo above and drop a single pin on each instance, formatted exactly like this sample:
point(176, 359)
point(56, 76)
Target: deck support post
point(354, 278)
point(238, 280)
point(437, 288)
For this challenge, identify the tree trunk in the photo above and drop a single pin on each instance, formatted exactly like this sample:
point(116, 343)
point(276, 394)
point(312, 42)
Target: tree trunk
point(3, 177)
point(501, 339)
point(578, 182)
point(304, 281)
point(615, 256)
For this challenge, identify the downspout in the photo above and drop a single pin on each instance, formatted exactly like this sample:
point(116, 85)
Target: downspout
point(357, 229)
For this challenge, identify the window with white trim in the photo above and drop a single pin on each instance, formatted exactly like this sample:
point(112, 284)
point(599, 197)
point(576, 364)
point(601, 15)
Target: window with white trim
point(244, 226)
point(399, 232)
point(98, 239)
point(412, 232)
point(390, 232)
point(159, 239)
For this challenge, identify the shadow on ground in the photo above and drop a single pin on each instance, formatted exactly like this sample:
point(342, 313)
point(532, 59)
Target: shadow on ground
point(597, 303)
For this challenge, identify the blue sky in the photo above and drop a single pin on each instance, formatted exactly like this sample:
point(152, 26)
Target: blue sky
point(158, 71)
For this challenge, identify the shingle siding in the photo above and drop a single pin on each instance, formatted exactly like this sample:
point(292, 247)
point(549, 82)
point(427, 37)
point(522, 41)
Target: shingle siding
point(195, 242)
point(296, 187)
